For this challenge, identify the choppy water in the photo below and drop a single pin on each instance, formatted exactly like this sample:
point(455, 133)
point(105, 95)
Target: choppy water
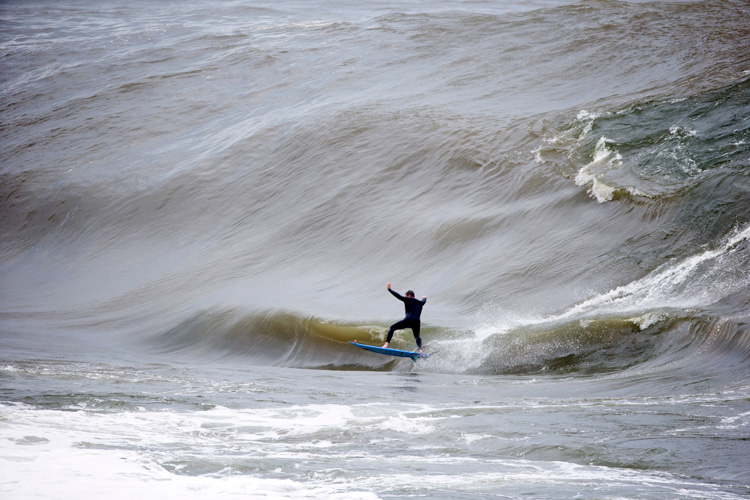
point(201, 203)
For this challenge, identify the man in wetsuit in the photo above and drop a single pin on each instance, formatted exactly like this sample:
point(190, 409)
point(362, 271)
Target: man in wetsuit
point(413, 309)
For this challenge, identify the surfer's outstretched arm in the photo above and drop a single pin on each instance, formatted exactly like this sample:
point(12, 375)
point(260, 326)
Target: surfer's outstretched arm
point(395, 294)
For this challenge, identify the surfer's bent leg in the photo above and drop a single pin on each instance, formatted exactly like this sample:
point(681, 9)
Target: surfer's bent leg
point(400, 325)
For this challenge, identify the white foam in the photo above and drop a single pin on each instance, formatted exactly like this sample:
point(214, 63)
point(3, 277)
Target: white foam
point(604, 159)
point(590, 175)
point(679, 131)
point(584, 115)
point(678, 284)
point(550, 476)
point(647, 320)
point(122, 454)
point(683, 284)
point(737, 422)
point(114, 447)
point(588, 118)
point(574, 134)
point(70, 473)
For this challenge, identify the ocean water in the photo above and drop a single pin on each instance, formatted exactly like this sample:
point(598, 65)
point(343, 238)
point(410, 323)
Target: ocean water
point(201, 204)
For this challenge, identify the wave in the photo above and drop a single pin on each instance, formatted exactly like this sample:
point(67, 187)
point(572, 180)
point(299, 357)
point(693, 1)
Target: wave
point(685, 300)
point(654, 149)
point(696, 304)
point(273, 337)
point(159, 192)
point(697, 281)
point(654, 341)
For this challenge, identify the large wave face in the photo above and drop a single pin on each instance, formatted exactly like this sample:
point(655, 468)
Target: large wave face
point(209, 189)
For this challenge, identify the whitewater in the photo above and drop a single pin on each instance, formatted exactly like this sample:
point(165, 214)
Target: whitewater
point(201, 205)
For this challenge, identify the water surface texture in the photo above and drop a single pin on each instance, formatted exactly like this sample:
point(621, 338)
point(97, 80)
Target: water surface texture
point(201, 204)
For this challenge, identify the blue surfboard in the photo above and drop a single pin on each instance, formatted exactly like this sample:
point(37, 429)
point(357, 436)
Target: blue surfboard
point(390, 352)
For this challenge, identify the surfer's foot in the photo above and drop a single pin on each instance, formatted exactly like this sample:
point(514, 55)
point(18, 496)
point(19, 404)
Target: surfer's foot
point(420, 350)
point(385, 345)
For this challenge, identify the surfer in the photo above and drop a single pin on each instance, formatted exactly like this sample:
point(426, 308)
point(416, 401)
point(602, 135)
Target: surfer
point(413, 309)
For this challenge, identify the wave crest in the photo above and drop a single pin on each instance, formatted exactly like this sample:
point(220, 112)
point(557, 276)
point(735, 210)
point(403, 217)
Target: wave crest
point(653, 149)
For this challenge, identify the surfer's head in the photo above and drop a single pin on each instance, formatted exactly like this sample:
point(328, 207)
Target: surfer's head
point(410, 294)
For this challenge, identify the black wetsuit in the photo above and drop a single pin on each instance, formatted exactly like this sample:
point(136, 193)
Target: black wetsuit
point(413, 308)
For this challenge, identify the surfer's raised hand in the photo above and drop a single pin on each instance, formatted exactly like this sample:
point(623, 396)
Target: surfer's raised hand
point(388, 285)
